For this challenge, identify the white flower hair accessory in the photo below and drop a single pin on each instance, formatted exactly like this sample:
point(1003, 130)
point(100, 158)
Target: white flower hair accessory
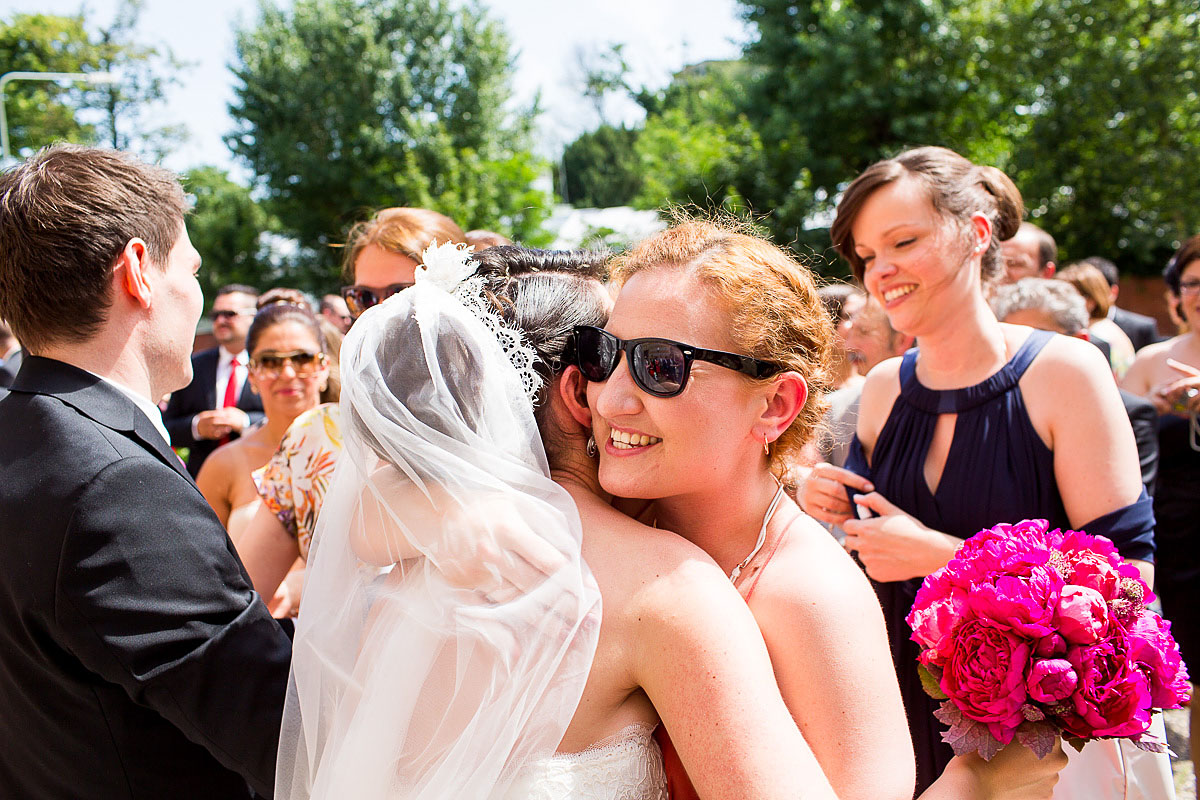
point(446, 265)
point(449, 267)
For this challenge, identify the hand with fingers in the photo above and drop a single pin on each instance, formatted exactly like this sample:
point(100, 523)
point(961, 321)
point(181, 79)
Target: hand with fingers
point(823, 495)
point(1180, 396)
point(1015, 773)
point(893, 545)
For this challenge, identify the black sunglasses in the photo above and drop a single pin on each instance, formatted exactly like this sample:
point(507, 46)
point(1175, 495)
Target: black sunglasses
point(230, 314)
point(360, 298)
point(659, 366)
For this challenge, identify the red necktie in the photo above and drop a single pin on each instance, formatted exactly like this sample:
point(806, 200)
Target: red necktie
point(230, 393)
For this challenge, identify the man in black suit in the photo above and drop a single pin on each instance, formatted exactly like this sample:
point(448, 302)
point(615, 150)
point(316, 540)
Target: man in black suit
point(1140, 329)
point(219, 403)
point(136, 661)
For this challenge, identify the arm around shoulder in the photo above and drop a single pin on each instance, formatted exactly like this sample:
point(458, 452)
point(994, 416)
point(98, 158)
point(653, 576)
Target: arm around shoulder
point(151, 597)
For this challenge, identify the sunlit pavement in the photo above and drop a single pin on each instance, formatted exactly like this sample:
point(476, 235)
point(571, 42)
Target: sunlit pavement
point(1177, 737)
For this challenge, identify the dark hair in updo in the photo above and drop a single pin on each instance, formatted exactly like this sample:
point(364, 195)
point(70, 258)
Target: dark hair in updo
point(277, 314)
point(545, 294)
point(957, 189)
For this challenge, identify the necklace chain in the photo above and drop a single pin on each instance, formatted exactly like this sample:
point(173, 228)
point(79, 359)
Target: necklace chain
point(762, 535)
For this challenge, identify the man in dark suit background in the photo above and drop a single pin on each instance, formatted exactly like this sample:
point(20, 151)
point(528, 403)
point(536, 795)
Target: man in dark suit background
point(1140, 329)
point(219, 403)
point(136, 661)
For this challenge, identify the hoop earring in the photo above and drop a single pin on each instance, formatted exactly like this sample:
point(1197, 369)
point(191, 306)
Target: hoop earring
point(766, 447)
point(591, 447)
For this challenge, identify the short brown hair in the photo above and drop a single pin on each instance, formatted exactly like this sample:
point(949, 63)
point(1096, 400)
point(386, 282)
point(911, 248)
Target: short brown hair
point(65, 215)
point(407, 231)
point(775, 311)
point(1188, 252)
point(957, 189)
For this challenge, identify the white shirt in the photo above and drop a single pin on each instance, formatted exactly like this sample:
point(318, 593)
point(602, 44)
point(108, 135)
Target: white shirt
point(144, 405)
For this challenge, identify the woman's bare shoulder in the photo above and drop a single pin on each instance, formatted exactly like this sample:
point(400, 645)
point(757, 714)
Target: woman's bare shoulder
point(812, 577)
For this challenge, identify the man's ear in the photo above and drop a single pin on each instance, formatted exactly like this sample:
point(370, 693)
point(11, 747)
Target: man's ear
point(131, 267)
point(1049, 270)
point(572, 390)
point(785, 401)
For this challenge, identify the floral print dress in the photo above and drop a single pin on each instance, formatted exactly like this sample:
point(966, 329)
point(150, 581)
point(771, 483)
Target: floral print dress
point(293, 483)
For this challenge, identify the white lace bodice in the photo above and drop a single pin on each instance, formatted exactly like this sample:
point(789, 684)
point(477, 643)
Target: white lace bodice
point(626, 766)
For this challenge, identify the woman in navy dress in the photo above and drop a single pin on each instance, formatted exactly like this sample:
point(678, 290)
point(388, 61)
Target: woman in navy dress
point(984, 423)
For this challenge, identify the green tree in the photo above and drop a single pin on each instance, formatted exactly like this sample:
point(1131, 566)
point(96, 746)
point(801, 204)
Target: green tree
point(602, 168)
point(42, 112)
point(226, 226)
point(345, 106)
point(841, 85)
point(1105, 130)
point(697, 146)
point(132, 105)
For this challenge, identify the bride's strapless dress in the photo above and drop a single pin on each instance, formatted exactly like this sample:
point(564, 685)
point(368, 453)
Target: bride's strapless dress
point(625, 766)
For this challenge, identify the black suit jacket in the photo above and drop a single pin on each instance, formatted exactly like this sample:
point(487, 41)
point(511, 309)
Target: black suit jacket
point(201, 395)
point(136, 661)
point(1140, 329)
point(1144, 420)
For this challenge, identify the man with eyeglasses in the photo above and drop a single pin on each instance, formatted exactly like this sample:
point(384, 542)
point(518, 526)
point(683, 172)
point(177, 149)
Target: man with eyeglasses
point(219, 403)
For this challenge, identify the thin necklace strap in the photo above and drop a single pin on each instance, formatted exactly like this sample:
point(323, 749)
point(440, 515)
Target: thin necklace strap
point(762, 535)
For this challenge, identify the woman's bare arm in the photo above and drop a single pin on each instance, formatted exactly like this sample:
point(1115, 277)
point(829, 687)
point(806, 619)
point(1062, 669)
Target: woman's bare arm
point(702, 662)
point(267, 550)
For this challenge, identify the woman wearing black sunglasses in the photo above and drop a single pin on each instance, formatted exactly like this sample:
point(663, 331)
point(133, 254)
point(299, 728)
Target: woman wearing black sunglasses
point(705, 383)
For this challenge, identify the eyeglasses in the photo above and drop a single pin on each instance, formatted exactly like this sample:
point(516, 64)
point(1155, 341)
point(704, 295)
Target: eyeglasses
point(659, 366)
point(360, 298)
point(1189, 287)
point(304, 363)
point(231, 313)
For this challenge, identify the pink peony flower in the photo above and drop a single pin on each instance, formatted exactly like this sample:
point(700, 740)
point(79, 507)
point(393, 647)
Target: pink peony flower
point(1082, 615)
point(1156, 655)
point(1113, 696)
point(1025, 604)
point(1094, 562)
point(985, 675)
point(938, 606)
point(1052, 646)
point(1051, 680)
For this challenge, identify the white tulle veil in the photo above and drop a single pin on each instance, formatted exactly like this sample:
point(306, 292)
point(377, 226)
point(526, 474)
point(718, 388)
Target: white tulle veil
point(448, 621)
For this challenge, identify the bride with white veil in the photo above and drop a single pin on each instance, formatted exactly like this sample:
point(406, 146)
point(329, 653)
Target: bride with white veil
point(441, 647)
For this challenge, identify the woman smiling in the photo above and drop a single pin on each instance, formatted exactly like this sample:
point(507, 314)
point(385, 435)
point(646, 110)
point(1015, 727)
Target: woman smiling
point(288, 369)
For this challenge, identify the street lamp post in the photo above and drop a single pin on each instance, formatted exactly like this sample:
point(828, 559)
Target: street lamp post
point(9, 77)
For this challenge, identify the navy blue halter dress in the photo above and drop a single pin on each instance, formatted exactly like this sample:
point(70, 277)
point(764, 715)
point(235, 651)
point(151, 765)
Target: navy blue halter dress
point(997, 470)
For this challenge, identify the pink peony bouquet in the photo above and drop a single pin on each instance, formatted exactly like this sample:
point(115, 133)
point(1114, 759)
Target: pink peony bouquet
point(1030, 633)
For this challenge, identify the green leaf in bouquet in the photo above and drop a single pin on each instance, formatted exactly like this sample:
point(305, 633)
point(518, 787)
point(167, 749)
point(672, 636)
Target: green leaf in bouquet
point(930, 684)
point(966, 735)
point(1038, 737)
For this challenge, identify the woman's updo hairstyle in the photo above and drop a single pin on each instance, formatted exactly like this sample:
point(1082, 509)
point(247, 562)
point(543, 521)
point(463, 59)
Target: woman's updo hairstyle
point(957, 189)
point(774, 310)
point(545, 294)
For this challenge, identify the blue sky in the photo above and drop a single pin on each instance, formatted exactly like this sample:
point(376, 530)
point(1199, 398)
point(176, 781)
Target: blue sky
point(660, 37)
